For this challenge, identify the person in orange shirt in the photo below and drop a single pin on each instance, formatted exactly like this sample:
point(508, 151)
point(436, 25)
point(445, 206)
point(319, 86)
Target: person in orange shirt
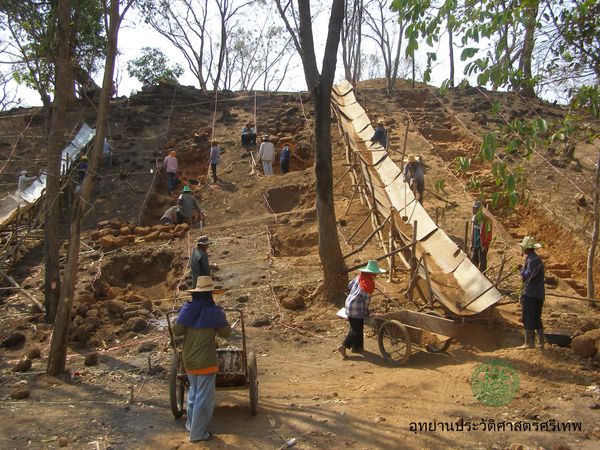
point(481, 236)
point(199, 321)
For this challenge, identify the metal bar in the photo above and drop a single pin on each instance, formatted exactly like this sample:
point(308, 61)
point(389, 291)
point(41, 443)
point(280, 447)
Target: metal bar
point(366, 241)
point(360, 226)
point(462, 308)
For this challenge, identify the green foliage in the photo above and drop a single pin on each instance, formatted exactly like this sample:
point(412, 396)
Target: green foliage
point(462, 163)
point(440, 185)
point(32, 29)
point(153, 66)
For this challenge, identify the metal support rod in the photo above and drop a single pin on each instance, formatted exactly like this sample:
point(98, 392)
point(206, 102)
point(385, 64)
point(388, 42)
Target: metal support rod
point(398, 250)
point(350, 202)
point(495, 285)
point(345, 173)
point(366, 241)
point(391, 244)
point(359, 227)
point(430, 290)
point(466, 246)
point(404, 145)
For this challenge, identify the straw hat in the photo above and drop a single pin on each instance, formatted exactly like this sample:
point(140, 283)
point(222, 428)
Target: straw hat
point(205, 283)
point(529, 242)
point(186, 188)
point(372, 267)
point(411, 158)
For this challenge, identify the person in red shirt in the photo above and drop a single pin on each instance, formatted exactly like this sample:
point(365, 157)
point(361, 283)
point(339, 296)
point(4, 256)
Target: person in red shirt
point(481, 236)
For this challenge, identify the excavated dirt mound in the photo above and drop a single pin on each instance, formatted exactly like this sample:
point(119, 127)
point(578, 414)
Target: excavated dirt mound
point(287, 198)
point(143, 269)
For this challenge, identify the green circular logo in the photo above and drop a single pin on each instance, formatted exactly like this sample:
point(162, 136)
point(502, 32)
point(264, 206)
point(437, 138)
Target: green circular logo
point(494, 383)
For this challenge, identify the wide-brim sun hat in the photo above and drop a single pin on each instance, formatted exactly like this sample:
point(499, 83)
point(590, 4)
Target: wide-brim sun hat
point(529, 242)
point(186, 189)
point(411, 158)
point(372, 267)
point(477, 204)
point(265, 137)
point(203, 240)
point(205, 283)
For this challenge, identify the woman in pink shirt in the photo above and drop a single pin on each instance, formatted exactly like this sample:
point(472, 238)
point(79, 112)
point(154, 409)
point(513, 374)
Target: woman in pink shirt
point(170, 164)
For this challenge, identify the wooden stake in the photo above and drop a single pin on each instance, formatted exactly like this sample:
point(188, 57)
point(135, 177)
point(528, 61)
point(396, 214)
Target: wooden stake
point(359, 227)
point(361, 246)
point(466, 246)
point(404, 144)
point(430, 290)
point(27, 294)
point(392, 245)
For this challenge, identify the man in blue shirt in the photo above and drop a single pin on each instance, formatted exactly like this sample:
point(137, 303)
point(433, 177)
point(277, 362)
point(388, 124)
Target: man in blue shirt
point(284, 159)
point(380, 135)
point(533, 293)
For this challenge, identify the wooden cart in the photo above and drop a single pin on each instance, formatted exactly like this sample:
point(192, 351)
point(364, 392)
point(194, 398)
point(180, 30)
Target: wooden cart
point(237, 368)
point(399, 332)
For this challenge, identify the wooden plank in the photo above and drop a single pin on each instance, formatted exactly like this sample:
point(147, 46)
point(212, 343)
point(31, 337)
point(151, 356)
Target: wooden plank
point(433, 324)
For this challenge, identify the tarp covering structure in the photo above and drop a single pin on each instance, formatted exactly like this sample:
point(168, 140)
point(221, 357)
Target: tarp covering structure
point(21, 201)
point(456, 283)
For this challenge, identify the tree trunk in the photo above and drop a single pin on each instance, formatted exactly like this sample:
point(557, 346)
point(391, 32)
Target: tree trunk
point(526, 86)
point(592, 250)
point(330, 253)
point(56, 139)
point(58, 349)
point(451, 51)
point(320, 85)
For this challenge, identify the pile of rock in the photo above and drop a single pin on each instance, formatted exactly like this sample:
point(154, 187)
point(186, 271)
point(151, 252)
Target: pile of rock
point(127, 312)
point(587, 344)
point(115, 233)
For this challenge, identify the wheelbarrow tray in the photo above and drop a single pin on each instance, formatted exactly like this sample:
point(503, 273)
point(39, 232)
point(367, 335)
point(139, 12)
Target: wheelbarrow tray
point(232, 368)
point(417, 322)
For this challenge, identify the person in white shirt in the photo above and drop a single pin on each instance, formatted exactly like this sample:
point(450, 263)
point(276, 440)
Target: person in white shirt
point(266, 153)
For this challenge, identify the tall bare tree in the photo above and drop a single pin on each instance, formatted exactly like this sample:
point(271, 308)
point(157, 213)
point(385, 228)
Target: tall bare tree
point(352, 40)
point(386, 29)
point(320, 85)
point(58, 349)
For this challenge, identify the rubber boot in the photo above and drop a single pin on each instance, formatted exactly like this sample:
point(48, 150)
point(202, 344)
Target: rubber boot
point(540, 336)
point(529, 340)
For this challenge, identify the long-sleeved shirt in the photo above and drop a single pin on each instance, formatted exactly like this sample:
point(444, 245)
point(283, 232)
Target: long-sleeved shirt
point(380, 137)
point(414, 171)
point(188, 204)
point(106, 150)
point(215, 154)
point(532, 274)
point(357, 302)
point(170, 164)
point(199, 264)
point(266, 152)
point(285, 154)
point(199, 349)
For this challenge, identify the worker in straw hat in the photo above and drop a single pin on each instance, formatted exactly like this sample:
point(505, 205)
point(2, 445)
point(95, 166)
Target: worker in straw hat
point(414, 175)
point(199, 321)
point(266, 154)
point(357, 306)
point(532, 294)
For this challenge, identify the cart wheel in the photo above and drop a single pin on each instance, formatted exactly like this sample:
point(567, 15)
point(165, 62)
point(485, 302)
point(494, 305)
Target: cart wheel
point(176, 388)
point(437, 347)
point(394, 342)
point(253, 383)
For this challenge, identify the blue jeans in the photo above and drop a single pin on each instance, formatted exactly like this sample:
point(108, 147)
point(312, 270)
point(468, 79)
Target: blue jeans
point(200, 405)
point(170, 181)
point(267, 167)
